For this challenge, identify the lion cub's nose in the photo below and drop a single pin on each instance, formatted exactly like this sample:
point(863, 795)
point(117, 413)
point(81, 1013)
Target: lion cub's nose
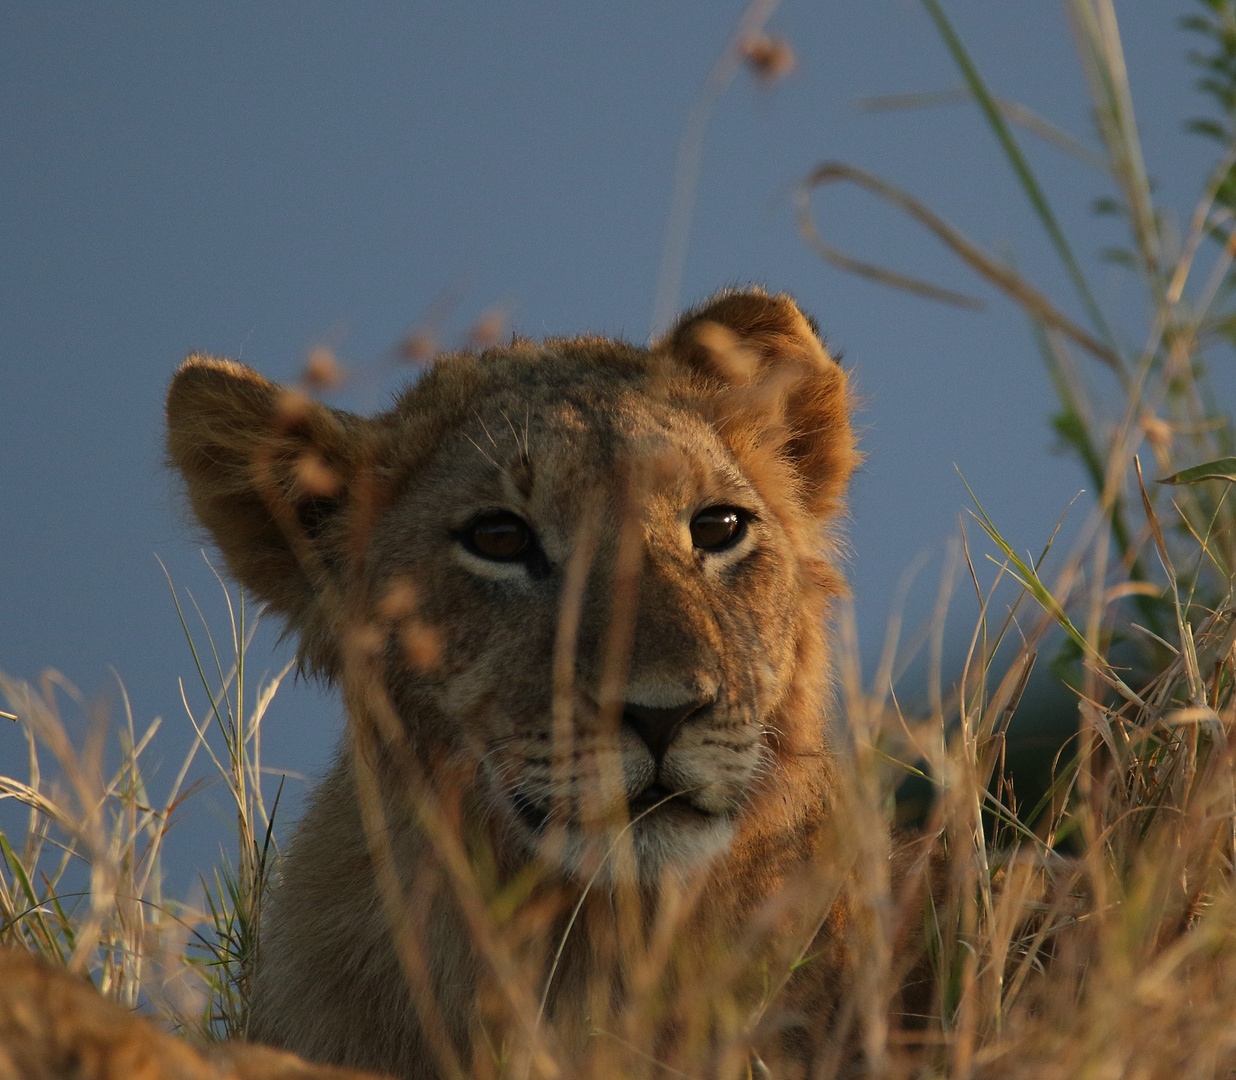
point(658, 726)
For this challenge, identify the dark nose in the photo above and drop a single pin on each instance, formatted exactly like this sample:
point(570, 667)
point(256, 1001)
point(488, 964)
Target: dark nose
point(657, 727)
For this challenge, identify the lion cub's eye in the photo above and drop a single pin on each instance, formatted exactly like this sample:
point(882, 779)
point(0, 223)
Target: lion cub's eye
point(718, 527)
point(502, 537)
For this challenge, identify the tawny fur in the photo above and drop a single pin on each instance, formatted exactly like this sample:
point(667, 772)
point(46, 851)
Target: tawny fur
point(55, 1026)
point(463, 678)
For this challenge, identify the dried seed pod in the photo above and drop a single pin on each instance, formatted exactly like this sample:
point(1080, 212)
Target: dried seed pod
point(487, 331)
point(322, 370)
point(315, 477)
point(422, 644)
point(769, 59)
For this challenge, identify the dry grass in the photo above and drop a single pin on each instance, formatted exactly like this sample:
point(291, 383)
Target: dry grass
point(84, 886)
point(1091, 935)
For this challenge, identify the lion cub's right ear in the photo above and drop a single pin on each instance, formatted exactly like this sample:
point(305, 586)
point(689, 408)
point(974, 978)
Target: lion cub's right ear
point(270, 473)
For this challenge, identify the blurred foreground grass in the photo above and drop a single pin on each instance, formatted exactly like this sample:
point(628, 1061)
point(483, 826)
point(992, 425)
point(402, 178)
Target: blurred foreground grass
point(1086, 930)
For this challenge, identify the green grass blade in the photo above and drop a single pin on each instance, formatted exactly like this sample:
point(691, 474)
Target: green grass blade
point(1220, 469)
point(35, 913)
point(1029, 578)
point(197, 661)
point(1021, 167)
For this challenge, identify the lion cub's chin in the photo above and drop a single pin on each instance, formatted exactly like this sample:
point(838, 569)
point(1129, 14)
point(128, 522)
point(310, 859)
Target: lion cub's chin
point(666, 842)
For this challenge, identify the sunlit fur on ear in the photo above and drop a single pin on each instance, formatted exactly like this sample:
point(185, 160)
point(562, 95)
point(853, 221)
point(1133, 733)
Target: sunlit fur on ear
point(766, 357)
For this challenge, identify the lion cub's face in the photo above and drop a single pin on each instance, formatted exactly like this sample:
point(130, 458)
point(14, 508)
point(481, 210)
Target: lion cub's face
point(594, 569)
point(572, 495)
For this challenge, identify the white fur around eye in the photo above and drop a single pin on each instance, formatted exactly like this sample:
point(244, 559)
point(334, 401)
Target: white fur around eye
point(490, 568)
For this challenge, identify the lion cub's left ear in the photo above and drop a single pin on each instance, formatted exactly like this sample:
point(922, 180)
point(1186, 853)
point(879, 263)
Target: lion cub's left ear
point(765, 349)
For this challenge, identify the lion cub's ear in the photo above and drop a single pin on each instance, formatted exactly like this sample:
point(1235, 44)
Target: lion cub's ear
point(766, 352)
point(270, 473)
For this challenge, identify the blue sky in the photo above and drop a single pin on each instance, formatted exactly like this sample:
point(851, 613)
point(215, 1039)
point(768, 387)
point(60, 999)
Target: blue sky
point(255, 179)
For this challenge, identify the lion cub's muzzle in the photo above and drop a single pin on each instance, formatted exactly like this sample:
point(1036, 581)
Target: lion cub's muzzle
point(673, 768)
point(656, 728)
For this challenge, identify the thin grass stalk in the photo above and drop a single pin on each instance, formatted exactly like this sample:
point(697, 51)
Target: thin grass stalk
point(1025, 175)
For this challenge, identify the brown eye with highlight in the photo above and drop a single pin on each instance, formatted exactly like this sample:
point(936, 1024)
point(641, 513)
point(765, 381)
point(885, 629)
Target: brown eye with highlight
point(499, 537)
point(718, 527)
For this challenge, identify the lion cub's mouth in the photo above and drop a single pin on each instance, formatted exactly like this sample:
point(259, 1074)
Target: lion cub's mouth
point(655, 801)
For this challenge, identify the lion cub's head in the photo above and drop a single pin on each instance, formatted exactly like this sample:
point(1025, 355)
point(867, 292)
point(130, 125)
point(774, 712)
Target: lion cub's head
point(588, 578)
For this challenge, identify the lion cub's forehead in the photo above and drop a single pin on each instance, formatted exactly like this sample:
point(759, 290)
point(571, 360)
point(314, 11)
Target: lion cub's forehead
point(588, 388)
point(560, 419)
point(542, 430)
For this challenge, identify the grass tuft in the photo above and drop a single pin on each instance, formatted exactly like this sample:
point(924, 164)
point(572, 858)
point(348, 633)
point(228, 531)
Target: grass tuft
point(1087, 930)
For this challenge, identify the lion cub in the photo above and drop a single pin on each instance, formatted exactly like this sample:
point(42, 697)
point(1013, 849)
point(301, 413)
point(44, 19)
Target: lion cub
point(576, 596)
